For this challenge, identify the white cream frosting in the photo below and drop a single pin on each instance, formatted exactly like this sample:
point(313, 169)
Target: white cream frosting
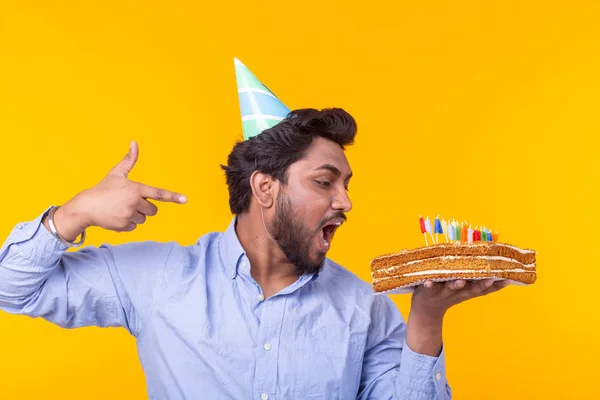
point(490, 258)
point(464, 271)
point(522, 251)
point(456, 271)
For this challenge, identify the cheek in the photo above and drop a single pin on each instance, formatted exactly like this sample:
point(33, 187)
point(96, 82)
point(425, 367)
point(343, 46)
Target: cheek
point(310, 208)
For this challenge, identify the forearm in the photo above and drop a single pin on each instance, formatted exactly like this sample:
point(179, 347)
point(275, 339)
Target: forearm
point(422, 377)
point(27, 259)
point(422, 369)
point(424, 332)
point(69, 221)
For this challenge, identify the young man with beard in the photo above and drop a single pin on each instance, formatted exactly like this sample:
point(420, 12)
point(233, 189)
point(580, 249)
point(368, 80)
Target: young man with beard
point(255, 312)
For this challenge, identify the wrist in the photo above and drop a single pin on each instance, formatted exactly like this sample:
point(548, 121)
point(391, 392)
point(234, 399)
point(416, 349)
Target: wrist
point(424, 331)
point(74, 214)
point(69, 222)
point(427, 317)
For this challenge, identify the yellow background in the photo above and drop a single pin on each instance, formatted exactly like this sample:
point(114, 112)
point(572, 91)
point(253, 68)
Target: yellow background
point(484, 111)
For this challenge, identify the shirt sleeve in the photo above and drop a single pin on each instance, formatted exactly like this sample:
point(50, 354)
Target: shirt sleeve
point(391, 370)
point(101, 286)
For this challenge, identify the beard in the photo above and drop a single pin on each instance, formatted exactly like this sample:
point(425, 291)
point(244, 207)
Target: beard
point(294, 238)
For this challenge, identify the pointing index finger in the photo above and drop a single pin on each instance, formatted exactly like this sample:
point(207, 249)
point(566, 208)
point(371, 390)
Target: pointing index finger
point(154, 193)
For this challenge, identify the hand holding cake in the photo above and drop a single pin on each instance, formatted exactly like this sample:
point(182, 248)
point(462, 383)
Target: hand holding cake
point(471, 263)
point(471, 254)
point(429, 304)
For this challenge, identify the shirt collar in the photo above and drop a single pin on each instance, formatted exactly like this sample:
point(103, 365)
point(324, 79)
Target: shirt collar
point(231, 251)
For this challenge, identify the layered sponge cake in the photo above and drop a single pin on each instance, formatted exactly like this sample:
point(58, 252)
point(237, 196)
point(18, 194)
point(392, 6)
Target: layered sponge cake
point(449, 261)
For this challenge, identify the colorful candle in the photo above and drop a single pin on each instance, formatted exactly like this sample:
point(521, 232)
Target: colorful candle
point(495, 236)
point(437, 228)
point(457, 228)
point(428, 225)
point(464, 233)
point(423, 229)
point(445, 228)
point(470, 234)
point(476, 235)
point(422, 223)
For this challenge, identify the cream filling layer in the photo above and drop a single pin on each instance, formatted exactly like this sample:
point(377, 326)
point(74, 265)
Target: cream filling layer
point(463, 271)
point(490, 258)
point(522, 251)
point(456, 271)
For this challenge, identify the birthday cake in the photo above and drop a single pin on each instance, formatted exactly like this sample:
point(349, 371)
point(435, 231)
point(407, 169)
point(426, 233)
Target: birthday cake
point(467, 254)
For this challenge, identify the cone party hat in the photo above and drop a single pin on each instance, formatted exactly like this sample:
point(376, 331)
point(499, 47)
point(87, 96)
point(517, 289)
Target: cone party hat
point(260, 108)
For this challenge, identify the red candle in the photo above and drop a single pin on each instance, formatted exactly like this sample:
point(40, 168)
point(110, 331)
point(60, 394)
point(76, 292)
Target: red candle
point(476, 236)
point(422, 223)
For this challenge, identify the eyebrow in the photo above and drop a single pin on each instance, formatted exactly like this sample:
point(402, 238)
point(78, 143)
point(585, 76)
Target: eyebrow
point(334, 170)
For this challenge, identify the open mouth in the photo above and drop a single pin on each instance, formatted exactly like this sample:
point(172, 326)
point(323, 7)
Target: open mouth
point(327, 233)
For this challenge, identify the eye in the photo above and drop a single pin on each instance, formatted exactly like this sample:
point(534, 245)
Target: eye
point(324, 183)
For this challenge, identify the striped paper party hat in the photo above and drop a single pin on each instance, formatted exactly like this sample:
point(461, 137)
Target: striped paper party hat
point(260, 108)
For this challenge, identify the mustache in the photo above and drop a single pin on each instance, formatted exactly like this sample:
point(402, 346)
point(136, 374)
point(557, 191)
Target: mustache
point(336, 215)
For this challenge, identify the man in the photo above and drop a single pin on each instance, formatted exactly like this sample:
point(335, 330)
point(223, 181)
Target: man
point(255, 312)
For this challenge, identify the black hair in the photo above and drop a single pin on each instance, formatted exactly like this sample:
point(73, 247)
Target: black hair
point(275, 149)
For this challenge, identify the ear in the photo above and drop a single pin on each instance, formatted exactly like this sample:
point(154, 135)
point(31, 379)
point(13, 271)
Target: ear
point(263, 188)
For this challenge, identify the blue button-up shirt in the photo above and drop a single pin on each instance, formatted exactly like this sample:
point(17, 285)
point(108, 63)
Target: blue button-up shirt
point(204, 329)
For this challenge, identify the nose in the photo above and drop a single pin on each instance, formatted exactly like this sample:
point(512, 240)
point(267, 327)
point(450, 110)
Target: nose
point(341, 201)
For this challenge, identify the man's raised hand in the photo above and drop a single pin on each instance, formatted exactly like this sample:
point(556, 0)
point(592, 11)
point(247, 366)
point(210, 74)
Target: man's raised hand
point(116, 203)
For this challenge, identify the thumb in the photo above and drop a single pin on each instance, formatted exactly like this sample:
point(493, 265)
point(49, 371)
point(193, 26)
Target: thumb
point(126, 165)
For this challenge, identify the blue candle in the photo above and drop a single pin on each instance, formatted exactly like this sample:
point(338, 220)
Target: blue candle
point(438, 226)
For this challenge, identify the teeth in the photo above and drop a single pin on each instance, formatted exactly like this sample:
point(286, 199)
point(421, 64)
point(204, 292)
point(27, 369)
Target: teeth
point(338, 224)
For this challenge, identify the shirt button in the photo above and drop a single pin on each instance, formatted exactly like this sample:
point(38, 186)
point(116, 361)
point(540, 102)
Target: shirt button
point(264, 396)
point(267, 346)
point(261, 297)
point(438, 376)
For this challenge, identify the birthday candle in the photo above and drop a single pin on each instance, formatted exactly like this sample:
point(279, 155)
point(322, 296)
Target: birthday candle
point(445, 228)
point(453, 230)
point(476, 235)
point(457, 232)
point(495, 236)
point(464, 233)
point(429, 229)
point(487, 234)
point(437, 228)
point(423, 229)
point(470, 234)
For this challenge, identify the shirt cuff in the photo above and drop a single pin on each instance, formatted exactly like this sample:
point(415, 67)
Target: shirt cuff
point(35, 242)
point(425, 374)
